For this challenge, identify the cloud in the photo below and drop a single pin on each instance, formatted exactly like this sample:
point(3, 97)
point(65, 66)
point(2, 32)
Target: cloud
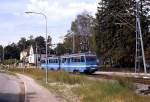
point(15, 23)
point(58, 11)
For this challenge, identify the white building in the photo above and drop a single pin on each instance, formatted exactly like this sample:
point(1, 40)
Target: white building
point(30, 56)
point(34, 58)
point(23, 55)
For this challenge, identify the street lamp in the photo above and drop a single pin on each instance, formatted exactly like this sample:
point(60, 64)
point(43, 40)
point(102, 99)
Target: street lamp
point(3, 53)
point(39, 13)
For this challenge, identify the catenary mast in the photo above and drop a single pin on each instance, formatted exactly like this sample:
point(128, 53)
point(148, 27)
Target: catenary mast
point(140, 56)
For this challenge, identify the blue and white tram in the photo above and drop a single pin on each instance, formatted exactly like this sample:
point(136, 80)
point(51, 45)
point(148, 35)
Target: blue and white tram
point(80, 62)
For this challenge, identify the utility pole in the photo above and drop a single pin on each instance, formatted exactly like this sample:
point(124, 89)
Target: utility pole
point(139, 42)
point(140, 55)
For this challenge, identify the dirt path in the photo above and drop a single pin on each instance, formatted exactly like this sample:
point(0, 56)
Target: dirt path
point(35, 92)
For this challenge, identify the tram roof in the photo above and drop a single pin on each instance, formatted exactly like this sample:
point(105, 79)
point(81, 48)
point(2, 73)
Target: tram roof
point(80, 54)
point(72, 55)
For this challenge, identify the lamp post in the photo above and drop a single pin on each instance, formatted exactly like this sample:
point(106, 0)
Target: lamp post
point(3, 53)
point(39, 13)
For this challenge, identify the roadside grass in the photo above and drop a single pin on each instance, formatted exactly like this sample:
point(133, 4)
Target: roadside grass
point(102, 91)
point(53, 76)
point(5, 70)
point(87, 90)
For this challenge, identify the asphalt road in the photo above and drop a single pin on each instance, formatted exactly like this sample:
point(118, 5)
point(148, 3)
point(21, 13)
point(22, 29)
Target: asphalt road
point(22, 88)
point(9, 88)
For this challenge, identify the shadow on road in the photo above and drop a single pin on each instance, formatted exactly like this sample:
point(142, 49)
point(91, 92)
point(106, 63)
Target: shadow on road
point(6, 97)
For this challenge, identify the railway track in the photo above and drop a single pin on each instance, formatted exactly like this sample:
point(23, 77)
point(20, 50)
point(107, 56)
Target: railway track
point(140, 80)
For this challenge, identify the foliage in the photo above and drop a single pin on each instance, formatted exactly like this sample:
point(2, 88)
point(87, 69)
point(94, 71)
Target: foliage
point(115, 31)
point(53, 76)
point(82, 31)
point(107, 91)
point(40, 41)
point(10, 62)
point(60, 49)
point(12, 51)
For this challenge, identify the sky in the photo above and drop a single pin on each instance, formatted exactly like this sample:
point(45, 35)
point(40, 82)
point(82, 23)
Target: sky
point(14, 23)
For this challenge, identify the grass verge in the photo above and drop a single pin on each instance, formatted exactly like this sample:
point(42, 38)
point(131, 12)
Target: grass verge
point(86, 90)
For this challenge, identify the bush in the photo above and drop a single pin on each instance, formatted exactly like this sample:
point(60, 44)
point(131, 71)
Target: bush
point(125, 82)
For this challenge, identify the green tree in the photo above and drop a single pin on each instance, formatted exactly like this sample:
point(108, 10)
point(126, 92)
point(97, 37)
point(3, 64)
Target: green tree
point(82, 30)
point(115, 31)
point(40, 41)
point(31, 41)
point(60, 49)
point(22, 44)
point(12, 51)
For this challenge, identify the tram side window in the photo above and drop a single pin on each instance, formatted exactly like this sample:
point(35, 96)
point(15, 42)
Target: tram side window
point(53, 60)
point(43, 61)
point(56, 60)
point(82, 59)
point(78, 59)
point(63, 60)
point(68, 60)
point(72, 59)
point(90, 58)
point(49, 61)
point(75, 59)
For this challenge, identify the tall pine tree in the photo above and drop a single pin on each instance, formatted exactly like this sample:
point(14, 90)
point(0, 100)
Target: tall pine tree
point(115, 30)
